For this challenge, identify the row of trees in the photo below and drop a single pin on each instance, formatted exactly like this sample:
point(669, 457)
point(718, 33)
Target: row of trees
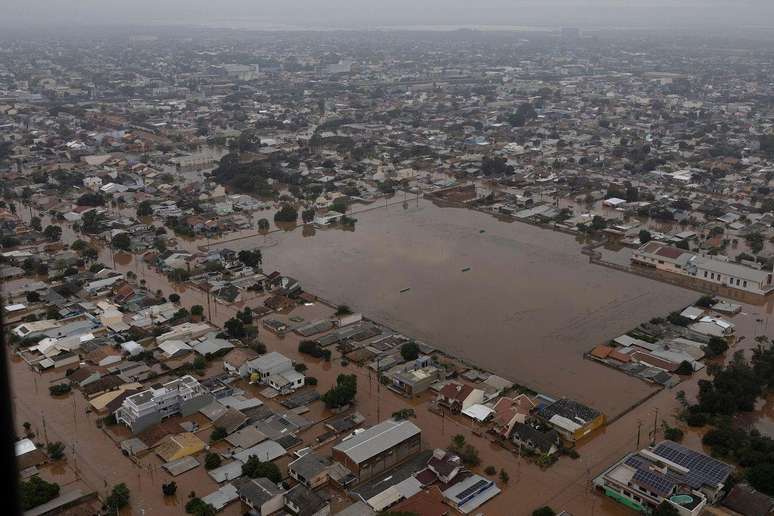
point(734, 388)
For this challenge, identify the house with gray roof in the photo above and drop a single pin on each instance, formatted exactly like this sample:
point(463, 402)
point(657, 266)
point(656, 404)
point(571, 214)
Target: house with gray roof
point(261, 495)
point(310, 469)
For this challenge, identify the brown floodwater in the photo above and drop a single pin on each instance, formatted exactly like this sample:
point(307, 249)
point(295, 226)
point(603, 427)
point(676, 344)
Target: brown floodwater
point(528, 307)
point(565, 485)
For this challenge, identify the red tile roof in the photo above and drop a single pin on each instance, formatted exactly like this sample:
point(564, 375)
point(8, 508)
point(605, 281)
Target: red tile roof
point(670, 252)
point(456, 391)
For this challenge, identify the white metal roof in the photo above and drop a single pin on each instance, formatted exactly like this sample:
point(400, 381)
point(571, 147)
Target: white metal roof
point(478, 412)
point(24, 446)
point(377, 439)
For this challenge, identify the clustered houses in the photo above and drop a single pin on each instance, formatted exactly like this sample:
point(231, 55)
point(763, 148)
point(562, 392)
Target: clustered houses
point(158, 148)
point(131, 353)
point(542, 426)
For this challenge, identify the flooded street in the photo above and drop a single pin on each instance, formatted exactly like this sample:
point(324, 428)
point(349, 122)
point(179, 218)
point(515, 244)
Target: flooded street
point(528, 308)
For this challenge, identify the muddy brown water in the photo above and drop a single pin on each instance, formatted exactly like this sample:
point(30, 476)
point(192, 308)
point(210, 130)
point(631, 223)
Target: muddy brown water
point(528, 307)
point(439, 237)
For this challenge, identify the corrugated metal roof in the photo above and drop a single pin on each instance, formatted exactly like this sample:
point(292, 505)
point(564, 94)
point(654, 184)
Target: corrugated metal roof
point(377, 439)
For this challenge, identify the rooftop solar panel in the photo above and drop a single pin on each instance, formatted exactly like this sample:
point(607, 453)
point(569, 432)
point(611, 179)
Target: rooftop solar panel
point(653, 481)
point(702, 468)
point(472, 489)
point(636, 462)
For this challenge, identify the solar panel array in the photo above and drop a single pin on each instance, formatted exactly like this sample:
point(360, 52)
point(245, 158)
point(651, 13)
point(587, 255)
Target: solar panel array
point(473, 489)
point(703, 470)
point(637, 462)
point(653, 481)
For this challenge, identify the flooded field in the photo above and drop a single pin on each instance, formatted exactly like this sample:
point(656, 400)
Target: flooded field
point(527, 308)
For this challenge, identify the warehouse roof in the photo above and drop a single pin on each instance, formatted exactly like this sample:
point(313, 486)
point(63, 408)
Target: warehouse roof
point(377, 439)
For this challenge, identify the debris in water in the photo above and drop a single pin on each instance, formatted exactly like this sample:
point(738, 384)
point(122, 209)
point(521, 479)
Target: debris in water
point(405, 290)
point(465, 269)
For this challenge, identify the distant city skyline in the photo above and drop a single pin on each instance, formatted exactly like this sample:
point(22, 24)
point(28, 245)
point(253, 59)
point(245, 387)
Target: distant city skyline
point(390, 13)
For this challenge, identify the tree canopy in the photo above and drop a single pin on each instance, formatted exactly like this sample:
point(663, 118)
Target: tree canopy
point(254, 468)
point(409, 351)
point(342, 393)
point(36, 491)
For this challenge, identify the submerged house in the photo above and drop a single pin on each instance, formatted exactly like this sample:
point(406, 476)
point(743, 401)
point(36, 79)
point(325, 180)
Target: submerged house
point(572, 420)
point(510, 411)
point(457, 397)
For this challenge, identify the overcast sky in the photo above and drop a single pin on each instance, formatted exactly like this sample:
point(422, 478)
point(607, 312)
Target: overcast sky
point(380, 13)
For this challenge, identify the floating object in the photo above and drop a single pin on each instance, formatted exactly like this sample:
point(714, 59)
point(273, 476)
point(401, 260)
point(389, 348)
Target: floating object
point(405, 290)
point(465, 269)
point(482, 231)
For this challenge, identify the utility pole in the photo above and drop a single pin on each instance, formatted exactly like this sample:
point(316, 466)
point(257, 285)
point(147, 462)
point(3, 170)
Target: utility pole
point(639, 425)
point(378, 389)
point(75, 458)
point(655, 427)
point(45, 434)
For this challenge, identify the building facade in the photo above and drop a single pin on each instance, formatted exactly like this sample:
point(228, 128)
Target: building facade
point(183, 396)
point(704, 268)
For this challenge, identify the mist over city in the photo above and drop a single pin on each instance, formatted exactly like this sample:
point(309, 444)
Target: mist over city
point(360, 14)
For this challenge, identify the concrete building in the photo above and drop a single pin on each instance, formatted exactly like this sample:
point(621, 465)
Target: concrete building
point(687, 479)
point(415, 377)
point(183, 396)
point(705, 268)
point(261, 368)
point(276, 370)
point(286, 382)
point(379, 448)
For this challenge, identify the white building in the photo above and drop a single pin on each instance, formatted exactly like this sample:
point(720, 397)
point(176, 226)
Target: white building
point(684, 478)
point(276, 370)
point(183, 396)
point(706, 268)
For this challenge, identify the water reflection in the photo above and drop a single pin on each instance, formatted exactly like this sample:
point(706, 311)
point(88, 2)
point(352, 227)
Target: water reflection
point(122, 258)
point(285, 226)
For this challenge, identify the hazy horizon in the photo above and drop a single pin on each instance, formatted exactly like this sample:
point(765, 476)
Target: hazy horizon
point(348, 14)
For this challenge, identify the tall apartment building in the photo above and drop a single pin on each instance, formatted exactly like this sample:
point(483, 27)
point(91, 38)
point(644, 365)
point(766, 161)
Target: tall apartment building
point(183, 396)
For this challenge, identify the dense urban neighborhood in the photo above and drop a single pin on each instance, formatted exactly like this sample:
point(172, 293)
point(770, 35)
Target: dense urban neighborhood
point(389, 272)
